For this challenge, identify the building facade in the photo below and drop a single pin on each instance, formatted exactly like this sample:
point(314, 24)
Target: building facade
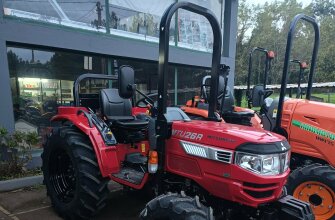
point(46, 44)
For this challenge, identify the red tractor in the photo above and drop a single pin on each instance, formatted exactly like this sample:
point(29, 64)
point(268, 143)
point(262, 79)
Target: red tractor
point(237, 170)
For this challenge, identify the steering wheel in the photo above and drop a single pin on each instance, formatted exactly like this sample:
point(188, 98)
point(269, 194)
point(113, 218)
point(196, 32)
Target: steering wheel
point(267, 93)
point(143, 102)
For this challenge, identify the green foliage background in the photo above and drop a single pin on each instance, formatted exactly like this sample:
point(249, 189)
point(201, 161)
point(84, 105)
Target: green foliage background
point(267, 26)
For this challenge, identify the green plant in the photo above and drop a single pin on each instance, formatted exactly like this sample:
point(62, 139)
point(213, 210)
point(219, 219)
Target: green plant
point(15, 148)
point(32, 138)
point(3, 132)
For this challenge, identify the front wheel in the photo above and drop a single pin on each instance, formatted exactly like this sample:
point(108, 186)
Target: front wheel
point(315, 184)
point(175, 206)
point(72, 176)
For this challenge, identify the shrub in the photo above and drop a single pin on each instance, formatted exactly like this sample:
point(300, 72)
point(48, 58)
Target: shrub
point(15, 152)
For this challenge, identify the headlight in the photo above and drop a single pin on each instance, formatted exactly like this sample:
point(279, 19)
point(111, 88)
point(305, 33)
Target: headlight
point(271, 164)
point(287, 160)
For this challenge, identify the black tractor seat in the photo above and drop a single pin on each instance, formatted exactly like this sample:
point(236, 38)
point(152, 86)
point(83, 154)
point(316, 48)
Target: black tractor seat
point(118, 111)
point(131, 123)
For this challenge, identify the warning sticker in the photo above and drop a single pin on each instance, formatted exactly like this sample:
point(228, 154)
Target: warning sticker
point(274, 114)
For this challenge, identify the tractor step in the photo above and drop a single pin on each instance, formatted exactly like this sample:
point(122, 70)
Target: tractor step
point(130, 175)
point(136, 158)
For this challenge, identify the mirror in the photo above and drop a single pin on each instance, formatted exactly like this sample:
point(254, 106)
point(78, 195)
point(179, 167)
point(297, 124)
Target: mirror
point(126, 82)
point(228, 104)
point(257, 97)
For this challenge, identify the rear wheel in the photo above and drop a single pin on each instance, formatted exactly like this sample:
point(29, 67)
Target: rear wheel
point(72, 176)
point(174, 207)
point(315, 184)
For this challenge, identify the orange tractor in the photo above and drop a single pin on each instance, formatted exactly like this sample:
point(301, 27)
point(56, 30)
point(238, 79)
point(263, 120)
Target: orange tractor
point(197, 108)
point(269, 55)
point(309, 127)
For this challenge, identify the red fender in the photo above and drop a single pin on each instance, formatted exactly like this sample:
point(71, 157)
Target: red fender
point(106, 155)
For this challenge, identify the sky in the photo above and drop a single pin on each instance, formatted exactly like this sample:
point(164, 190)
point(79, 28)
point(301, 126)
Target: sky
point(305, 2)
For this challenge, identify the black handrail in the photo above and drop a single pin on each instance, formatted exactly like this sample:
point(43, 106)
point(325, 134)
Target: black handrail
point(87, 115)
point(76, 84)
point(164, 55)
point(266, 70)
point(287, 62)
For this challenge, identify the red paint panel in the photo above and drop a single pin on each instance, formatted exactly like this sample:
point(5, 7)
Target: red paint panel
point(106, 155)
point(184, 165)
point(223, 180)
point(223, 135)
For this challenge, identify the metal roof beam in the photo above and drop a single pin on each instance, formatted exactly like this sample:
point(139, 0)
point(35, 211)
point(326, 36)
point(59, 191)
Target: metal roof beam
point(59, 10)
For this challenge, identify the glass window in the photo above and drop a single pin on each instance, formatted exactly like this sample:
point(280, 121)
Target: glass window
point(78, 14)
point(137, 18)
point(189, 80)
point(192, 31)
point(146, 76)
point(127, 18)
point(43, 80)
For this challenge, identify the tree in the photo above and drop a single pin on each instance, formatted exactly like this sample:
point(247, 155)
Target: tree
point(267, 26)
point(244, 23)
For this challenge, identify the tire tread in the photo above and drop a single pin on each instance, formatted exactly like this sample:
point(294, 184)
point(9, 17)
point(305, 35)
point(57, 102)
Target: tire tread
point(176, 206)
point(93, 188)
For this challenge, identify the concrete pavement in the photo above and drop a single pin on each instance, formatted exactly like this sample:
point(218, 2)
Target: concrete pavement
point(32, 204)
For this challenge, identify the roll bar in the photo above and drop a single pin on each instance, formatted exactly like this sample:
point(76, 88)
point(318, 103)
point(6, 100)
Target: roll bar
point(287, 62)
point(266, 69)
point(163, 126)
point(87, 76)
point(164, 55)
point(302, 67)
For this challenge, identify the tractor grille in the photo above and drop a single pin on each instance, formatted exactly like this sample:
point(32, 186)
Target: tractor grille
point(259, 195)
point(208, 152)
point(260, 191)
point(224, 156)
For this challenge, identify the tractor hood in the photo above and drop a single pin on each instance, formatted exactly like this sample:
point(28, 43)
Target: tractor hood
point(221, 134)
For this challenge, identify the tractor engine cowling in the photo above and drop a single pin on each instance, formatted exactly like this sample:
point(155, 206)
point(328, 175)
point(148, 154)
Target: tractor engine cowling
point(232, 162)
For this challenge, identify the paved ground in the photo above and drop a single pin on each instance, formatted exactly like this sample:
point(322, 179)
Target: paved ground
point(32, 204)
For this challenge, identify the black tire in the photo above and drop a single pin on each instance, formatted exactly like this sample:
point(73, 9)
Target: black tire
point(176, 207)
point(323, 175)
point(72, 176)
